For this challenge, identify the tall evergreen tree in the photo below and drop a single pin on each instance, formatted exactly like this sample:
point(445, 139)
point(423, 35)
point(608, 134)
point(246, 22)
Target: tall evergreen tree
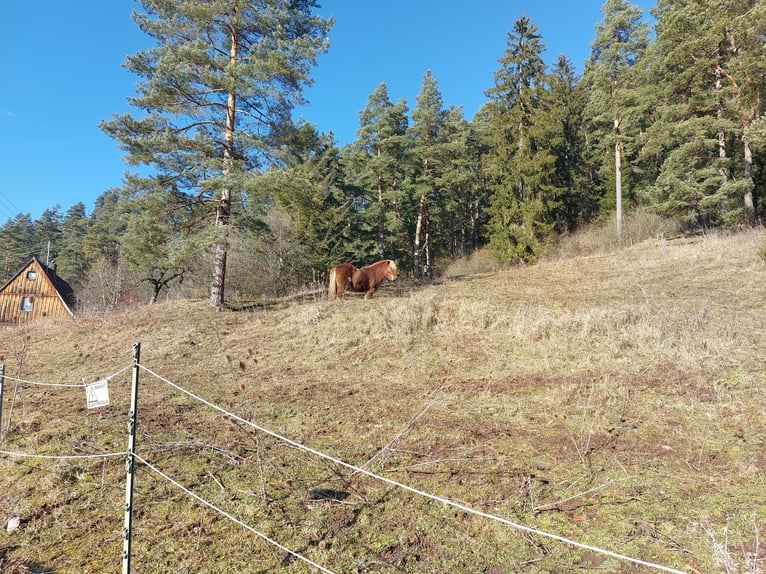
point(428, 148)
point(17, 237)
point(615, 99)
point(377, 168)
point(704, 55)
point(70, 261)
point(47, 234)
point(520, 163)
point(309, 190)
point(463, 186)
point(745, 72)
point(106, 226)
point(565, 119)
point(220, 83)
point(689, 133)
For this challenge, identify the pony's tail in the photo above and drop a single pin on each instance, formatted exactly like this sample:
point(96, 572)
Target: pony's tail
point(332, 289)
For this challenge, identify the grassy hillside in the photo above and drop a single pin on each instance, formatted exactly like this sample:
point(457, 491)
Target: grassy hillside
point(616, 400)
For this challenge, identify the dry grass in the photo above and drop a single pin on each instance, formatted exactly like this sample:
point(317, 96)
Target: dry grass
point(638, 226)
point(615, 399)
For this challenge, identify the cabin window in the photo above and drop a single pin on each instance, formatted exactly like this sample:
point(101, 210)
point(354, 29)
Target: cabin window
point(31, 275)
point(27, 303)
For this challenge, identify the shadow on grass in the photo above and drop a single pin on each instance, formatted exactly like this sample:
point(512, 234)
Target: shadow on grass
point(10, 565)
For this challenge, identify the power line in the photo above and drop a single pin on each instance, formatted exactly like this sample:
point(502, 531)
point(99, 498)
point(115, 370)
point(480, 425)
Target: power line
point(7, 206)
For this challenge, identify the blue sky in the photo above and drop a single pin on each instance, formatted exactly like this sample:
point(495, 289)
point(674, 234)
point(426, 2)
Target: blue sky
point(61, 73)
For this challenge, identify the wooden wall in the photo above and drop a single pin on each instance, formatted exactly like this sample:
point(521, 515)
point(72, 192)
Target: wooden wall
point(33, 285)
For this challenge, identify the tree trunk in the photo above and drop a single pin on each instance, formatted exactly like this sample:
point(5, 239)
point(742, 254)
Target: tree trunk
point(381, 215)
point(721, 132)
point(475, 221)
point(223, 211)
point(418, 236)
point(427, 249)
point(223, 214)
point(749, 199)
point(618, 183)
point(219, 275)
point(155, 294)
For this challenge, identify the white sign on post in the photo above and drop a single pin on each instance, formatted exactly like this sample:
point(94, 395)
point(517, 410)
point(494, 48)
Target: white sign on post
point(97, 394)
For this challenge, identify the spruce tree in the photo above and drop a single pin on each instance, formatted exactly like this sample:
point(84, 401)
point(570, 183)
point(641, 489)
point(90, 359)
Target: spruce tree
point(428, 149)
point(47, 235)
point(309, 190)
point(520, 164)
point(577, 202)
point(71, 264)
point(464, 189)
point(221, 81)
point(17, 237)
point(106, 227)
point(376, 167)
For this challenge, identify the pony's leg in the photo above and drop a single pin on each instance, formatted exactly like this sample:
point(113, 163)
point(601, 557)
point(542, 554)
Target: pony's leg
point(332, 286)
point(368, 294)
point(342, 285)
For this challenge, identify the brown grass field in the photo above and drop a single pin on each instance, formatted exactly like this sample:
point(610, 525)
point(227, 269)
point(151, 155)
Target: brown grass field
point(614, 399)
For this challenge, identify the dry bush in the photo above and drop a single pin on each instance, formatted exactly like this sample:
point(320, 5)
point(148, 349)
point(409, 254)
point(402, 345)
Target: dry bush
point(638, 225)
point(480, 261)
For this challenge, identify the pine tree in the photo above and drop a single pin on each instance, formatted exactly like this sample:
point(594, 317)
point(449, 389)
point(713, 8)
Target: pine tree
point(745, 72)
point(614, 79)
point(705, 61)
point(688, 135)
point(220, 83)
point(151, 245)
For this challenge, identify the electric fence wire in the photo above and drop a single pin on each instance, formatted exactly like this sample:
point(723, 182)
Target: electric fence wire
point(61, 456)
point(229, 516)
point(410, 489)
point(64, 385)
point(325, 456)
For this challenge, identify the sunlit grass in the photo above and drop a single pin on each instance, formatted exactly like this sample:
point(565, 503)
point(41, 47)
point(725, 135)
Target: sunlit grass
point(610, 397)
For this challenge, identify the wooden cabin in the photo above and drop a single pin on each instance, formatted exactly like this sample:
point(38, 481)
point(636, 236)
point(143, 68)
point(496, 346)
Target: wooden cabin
point(33, 293)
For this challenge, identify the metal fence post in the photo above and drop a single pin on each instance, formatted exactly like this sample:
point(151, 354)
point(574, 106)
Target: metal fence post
point(130, 462)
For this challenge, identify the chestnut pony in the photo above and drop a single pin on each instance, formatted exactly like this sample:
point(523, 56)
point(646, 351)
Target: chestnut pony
point(367, 279)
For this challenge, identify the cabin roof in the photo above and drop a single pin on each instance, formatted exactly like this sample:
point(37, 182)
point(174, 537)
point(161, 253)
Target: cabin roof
point(63, 288)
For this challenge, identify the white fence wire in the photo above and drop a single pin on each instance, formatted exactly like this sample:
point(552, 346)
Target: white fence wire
point(357, 469)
